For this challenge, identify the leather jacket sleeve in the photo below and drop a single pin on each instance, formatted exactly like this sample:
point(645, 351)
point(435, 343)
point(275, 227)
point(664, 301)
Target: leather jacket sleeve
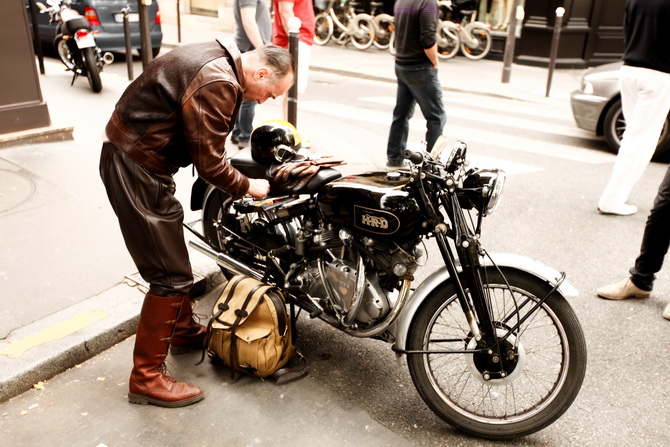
point(209, 109)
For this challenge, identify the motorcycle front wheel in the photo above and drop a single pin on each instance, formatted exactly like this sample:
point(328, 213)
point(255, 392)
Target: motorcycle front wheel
point(64, 52)
point(92, 71)
point(544, 359)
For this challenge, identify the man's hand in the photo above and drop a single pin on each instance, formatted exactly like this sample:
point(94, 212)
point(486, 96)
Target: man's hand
point(258, 188)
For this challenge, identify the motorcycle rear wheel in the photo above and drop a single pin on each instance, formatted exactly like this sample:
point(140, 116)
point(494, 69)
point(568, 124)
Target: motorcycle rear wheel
point(242, 236)
point(92, 71)
point(545, 359)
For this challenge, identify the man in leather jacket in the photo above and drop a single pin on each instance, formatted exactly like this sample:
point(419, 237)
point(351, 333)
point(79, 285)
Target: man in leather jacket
point(178, 112)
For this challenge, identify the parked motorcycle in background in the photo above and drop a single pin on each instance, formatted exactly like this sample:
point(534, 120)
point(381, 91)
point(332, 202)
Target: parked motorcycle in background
point(492, 344)
point(75, 43)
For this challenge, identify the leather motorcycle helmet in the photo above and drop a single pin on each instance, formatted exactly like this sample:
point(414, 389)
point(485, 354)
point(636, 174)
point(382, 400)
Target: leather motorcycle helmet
point(269, 137)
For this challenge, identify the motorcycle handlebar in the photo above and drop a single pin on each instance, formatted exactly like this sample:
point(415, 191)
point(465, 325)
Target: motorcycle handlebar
point(414, 157)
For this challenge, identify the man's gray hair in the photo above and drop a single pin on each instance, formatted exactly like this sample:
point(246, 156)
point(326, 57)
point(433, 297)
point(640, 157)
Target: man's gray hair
point(276, 58)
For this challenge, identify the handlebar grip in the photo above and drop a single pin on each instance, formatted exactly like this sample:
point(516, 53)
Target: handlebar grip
point(414, 157)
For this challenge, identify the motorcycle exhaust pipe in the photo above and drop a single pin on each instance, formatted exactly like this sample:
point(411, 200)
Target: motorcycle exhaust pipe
point(108, 57)
point(226, 261)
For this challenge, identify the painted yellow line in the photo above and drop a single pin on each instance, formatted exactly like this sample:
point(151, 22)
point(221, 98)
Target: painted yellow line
point(60, 330)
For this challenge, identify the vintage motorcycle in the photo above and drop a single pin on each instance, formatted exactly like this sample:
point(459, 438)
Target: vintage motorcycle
point(75, 43)
point(492, 344)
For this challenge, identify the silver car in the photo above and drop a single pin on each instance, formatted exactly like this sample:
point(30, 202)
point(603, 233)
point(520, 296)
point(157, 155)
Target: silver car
point(596, 107)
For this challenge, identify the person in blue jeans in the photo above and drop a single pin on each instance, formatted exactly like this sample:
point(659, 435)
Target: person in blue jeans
point(253, 29)
point(416, 70)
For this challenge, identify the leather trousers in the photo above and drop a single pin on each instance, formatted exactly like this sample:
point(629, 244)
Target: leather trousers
point(151, 220)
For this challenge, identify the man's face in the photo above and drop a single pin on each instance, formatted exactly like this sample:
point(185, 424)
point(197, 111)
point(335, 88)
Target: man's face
point(261, 86)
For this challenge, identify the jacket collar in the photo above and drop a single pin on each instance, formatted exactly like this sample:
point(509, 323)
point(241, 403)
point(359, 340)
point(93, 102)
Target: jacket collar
point(234, 53)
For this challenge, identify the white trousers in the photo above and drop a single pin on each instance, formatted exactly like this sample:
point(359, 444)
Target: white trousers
point(645, 100)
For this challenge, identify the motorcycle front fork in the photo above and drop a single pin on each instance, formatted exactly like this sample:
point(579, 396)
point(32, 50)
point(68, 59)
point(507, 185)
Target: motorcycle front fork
point(473, 302)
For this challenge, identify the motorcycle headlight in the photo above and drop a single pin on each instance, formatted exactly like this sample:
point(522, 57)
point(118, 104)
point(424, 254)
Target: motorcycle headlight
point(482, 188)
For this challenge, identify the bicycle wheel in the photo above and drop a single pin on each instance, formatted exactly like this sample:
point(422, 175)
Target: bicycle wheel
point(323, 29)
point(363, 32)
point(448, 41)
point(543, 360)
point(480, 43)
point(383, 31)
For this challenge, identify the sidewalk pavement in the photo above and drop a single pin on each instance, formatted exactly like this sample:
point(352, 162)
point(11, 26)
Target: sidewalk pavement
point(62, 301)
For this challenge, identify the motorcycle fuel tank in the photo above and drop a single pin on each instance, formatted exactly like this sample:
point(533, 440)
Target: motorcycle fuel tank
point(376, 203)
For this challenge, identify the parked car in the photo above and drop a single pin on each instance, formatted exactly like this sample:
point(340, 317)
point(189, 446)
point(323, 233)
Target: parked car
point(106, 19)
point(596, 107)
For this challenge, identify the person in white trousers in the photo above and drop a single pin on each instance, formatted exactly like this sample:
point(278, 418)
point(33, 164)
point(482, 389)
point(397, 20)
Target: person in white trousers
point(645, 98)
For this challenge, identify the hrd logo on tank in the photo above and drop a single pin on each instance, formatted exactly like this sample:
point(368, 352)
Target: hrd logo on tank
point(375, 221)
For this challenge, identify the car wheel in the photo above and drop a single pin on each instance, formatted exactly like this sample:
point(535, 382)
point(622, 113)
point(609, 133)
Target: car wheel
point(614, 126)
point(154, 52)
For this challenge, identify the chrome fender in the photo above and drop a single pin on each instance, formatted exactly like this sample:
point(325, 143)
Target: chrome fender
point(533, 267)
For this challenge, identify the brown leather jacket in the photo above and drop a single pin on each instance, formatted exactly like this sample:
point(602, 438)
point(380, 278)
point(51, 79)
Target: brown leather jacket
point(180, 111)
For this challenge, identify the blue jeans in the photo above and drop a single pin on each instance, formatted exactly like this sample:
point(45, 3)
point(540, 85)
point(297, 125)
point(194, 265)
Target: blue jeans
point(656, 239)
point(245, 121)
point(417, 84)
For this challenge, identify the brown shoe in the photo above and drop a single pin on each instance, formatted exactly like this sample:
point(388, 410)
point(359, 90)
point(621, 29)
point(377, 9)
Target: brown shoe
point(666, 312)
point(189, 335)
point(149, 383)
point(622, 290)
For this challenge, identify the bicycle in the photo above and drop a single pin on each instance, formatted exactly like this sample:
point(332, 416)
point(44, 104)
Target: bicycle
point(383, 26)
point(340, 21)
point(472, 37)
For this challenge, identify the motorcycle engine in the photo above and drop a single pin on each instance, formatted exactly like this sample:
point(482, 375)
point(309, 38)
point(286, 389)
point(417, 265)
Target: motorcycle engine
point(386, 264)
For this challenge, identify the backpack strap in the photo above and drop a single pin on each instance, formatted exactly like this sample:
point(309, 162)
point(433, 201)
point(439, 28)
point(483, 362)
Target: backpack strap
point(242, 313)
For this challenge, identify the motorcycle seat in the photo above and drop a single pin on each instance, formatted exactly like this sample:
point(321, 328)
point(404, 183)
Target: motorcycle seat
point(76, 23)
point(243, 162)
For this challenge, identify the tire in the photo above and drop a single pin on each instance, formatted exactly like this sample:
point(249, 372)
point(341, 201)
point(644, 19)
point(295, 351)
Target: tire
point(63, 52)
point(383, 31)
point(323, 29)
point(364, 34)
point(221, 222)
point(483, 39)
point(543, 378)
point(614, 126)
point(392, 44)
point(92, 71)
point(448, 41)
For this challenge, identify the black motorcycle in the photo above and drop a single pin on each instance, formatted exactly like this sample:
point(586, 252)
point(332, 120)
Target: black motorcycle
point(75, 43)
point(493, 346)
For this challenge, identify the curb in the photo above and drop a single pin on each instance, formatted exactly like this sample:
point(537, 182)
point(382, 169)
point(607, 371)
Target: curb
point(49, 346)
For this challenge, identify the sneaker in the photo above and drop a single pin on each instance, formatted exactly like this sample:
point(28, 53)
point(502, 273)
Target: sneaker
point(621, 210)
point(243, 144)
point(622, 290)
point(234, 139)
point(394, 165)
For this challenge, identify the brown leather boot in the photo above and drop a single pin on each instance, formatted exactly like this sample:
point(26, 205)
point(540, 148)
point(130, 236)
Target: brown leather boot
point(148, 382)
point(189, 335)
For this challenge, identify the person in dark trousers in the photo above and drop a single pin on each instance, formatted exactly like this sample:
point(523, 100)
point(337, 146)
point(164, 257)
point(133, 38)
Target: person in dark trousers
point(648, 61)
point(645, 98)
point(416, 70)
point(253, 29)
point(178, 112)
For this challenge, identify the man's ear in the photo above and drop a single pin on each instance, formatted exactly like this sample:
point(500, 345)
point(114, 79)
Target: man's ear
point(262, 74)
